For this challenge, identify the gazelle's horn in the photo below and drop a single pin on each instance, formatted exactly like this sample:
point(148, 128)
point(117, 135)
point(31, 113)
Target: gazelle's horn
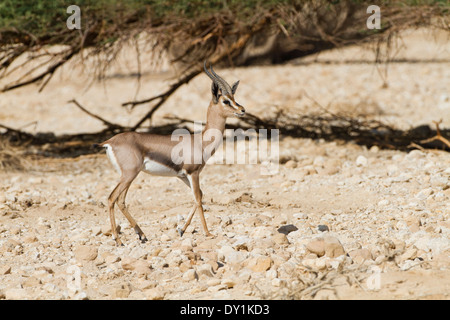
point(208, 73)
point(223, 85)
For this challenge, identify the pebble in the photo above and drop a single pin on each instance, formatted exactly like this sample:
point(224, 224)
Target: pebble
point(154, 294)
point(16, 294)
point(286, 229)
point(5, 269)
point(361, 161)
point(205, 270)
point(259, 264)
point(360, 255)
point(327, 245)
point(85, 252)
point(190, 275)
point(280, 238)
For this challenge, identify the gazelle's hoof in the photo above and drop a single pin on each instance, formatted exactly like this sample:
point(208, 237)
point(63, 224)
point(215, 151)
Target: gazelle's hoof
point(180, 232)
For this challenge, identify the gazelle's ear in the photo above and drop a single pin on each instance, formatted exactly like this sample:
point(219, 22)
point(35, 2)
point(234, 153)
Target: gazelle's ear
point(234, 87)
point(215, 92)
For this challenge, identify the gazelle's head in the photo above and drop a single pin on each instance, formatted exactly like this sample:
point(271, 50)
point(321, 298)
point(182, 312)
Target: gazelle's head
point(223, 94)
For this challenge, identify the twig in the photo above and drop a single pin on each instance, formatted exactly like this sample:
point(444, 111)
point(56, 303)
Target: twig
point(106, 122)
point(438, 135)
point(50, 70)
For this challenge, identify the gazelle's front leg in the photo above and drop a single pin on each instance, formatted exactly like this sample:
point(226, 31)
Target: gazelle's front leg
point(194, 183)
point(188, 220)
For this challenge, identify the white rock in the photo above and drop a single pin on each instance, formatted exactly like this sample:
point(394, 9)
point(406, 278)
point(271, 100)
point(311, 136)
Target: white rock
point(361, 161)
point(187, 244)
point(424, 193)
point(279, 282)
point(229, 255)
point(205, 270)
point(190, 275)
point(16, 294)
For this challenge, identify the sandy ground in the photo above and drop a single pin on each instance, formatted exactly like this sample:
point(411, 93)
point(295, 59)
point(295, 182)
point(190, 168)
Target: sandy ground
point(336, 221)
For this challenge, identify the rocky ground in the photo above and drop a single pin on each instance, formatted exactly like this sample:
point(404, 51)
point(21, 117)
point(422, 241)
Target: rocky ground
point(336, 221)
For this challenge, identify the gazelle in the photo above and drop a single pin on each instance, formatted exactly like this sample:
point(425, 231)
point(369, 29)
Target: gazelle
point(133, 152)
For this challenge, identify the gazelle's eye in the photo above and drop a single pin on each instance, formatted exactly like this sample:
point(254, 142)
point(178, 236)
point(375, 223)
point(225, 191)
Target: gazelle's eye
point(227, 102)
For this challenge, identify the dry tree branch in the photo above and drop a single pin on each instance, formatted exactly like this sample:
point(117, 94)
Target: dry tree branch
point(110, 125)
point(438, 135)
point(49, 72)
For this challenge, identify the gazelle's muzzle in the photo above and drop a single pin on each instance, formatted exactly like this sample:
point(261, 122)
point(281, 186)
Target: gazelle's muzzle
point(241, 112)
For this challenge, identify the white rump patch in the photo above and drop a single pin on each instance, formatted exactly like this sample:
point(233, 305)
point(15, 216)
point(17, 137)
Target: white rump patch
point(158, 169)
point(112, 158)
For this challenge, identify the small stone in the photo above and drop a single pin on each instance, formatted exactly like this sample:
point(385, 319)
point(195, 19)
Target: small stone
point(165, 238)
point(280, 238)
point(81, 296)
point(316, 246)
point(31, 282)
point(374, 149)
point(409, 254)
point(187, 244)
point(85, 253)
point(231, 256)
point(361, 161)
point(16, 294)
point(190, 275)
point(424, 193)
point(121, 292)
point(323, 228)
point(96, 231)
point(291, 164)
point(314, 264)
point(154, 294)
point(30, 238)
point(15, 230)
point(229, 283)
point(142, 267)
point(287, 229)
point(328, 245)
point(106, 229)
point(259, 264)
point(279, 282)
point(321, 263)
point(271, 274)
point(111, 258)
point(205, 270)
point(334, 249)
point(5, 270)
point(360, 255)
point(128, 263)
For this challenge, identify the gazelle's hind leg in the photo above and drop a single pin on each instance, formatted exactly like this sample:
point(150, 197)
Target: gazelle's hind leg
point(123, 185)
point(126, 213)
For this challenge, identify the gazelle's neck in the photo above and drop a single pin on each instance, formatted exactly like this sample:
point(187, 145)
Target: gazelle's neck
point(212, 134)
point(215, 119)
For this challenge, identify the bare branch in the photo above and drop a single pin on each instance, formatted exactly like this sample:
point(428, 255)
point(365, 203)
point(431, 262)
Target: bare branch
point(106, 122)
point(438, 136)
point(50, 70)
